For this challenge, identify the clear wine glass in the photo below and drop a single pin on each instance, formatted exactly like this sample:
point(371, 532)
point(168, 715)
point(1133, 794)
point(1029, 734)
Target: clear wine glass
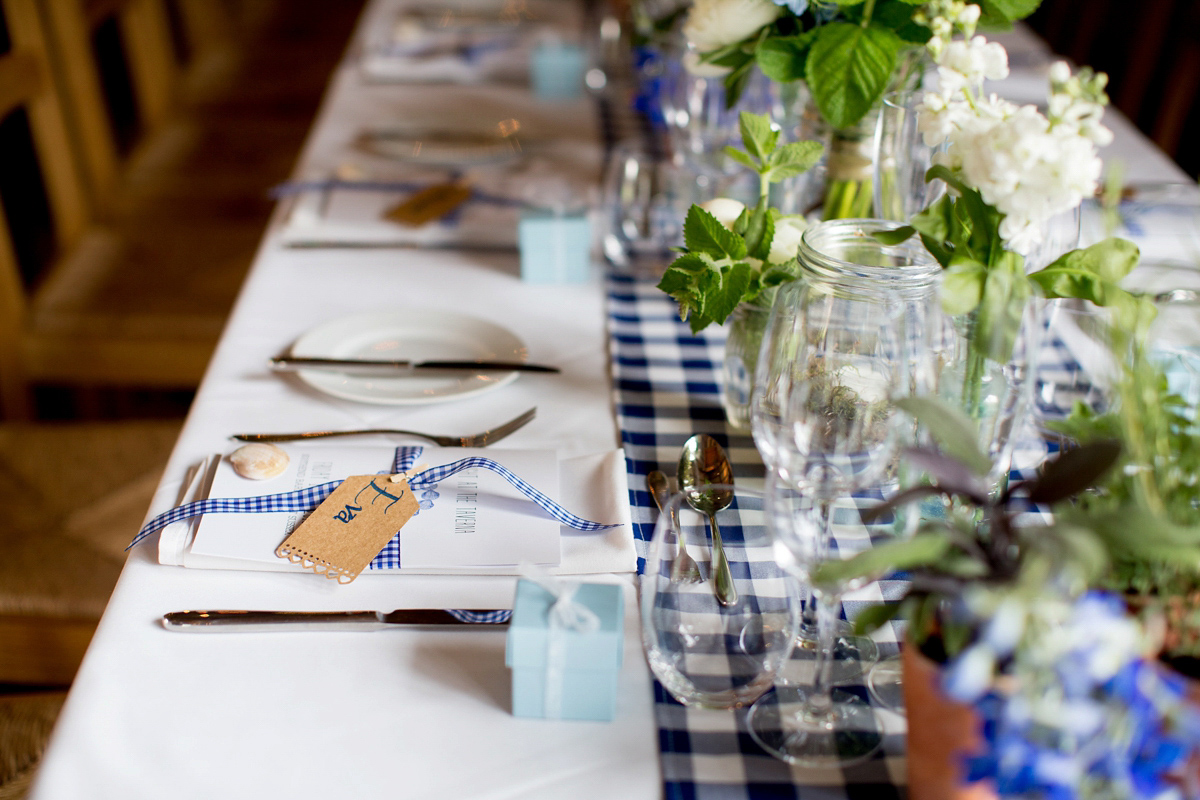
point(841, 435)
point(776, 370)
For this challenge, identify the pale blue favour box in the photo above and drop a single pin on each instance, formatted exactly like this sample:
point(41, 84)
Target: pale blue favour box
point(555, 248)
point(556, 70)
point(591, 662)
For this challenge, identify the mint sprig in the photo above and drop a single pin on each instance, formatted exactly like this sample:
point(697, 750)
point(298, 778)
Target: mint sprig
point(721, 268)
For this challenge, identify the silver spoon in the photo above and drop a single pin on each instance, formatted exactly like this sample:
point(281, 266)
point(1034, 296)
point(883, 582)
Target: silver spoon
point(702, 464)
point(683, 568)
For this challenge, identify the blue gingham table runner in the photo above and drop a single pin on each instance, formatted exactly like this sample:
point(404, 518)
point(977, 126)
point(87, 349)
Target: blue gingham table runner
point(666, 389)
point(666, 384)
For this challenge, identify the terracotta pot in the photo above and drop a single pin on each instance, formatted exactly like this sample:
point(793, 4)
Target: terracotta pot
point(941, 732)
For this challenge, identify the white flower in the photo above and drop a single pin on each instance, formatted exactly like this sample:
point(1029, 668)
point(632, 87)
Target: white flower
point(713, 24)
point(725, 209)
point(788, 232)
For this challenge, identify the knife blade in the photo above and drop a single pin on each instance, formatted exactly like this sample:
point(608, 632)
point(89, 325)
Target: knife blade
point(377, 367)
point(229, 621)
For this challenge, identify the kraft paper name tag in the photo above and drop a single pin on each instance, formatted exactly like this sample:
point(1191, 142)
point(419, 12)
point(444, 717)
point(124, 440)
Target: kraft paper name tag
point(343, 534)
point(433, 202)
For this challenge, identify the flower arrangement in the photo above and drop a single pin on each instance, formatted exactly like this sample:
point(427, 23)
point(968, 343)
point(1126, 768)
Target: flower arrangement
point(1083, 712)
point(1063, 680)
point(1010, 170)
point(732, 254)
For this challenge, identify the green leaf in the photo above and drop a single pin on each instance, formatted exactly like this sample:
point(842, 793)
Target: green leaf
point(794, 159)
point(742, 157)
point(782, 58)
point(723, 299)
point(760, 233)
point(897, 236)
point(921, 550)
point(735, 82)
point(962, 286)
point(1109, 260)
point(875, 616)
point(848, 69)
point(1073, 471)
point(951, 429)
point(1002, 13)
point(703, 233)
point(1002, 308)
point(758, 137)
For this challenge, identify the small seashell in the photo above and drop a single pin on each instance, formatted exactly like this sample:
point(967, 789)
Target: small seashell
point(259, 461)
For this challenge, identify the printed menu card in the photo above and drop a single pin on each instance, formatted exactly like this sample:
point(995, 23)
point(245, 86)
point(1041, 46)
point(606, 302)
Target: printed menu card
point(472, 522)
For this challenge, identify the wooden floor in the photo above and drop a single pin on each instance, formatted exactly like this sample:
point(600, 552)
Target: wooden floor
point(193, 209)
point(194, 202)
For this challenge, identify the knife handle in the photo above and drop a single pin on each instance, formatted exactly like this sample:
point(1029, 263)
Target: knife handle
point(260, 621)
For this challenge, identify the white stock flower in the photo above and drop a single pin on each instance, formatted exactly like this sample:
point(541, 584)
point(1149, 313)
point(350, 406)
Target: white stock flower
point(725, 209)
point(1025, 165)
point(788, 232)
point(713, 24)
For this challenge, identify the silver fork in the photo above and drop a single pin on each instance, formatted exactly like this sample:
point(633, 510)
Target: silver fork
point(477, 440)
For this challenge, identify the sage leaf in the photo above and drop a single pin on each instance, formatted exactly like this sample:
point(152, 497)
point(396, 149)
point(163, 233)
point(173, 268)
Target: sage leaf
point(1073, 471)
point(922, 549)
point(848, 69)
point(954, 432)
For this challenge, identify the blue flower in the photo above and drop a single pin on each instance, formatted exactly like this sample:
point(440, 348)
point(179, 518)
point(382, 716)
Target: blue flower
point(797, 7)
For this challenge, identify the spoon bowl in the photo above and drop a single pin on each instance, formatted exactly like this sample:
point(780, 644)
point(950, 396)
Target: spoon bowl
point(702, 464)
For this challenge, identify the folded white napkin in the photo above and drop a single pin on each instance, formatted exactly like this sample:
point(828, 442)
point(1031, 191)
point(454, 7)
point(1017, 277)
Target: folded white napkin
point(592, 486)
point(561, 173)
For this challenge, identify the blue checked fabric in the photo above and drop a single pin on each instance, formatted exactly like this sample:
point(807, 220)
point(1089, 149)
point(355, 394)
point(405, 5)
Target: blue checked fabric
point(422, 483)
point(666, 389)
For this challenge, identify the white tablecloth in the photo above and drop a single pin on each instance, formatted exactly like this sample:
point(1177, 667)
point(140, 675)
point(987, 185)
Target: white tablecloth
point(396, 714)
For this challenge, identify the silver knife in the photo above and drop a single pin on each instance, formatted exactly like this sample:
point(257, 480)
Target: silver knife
point(377, 367)
point(259, 621)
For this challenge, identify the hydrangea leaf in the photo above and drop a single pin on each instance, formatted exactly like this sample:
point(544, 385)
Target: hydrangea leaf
point(782, 58)
point(848, 69)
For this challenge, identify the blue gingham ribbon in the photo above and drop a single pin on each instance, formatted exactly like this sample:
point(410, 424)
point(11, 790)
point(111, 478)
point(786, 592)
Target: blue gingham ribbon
point(480, 617)
point(310, 498)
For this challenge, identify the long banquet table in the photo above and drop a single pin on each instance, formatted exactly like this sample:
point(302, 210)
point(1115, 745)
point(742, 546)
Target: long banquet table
point(404, 713)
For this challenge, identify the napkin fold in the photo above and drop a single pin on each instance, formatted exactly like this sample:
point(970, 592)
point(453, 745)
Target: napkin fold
point(592, 486)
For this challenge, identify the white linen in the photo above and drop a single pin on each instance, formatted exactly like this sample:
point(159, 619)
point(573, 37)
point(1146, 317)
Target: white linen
point(399, 714)
point(593, 486)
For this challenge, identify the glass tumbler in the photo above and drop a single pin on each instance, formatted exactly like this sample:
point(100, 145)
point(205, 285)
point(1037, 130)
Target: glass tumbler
point(707, 654)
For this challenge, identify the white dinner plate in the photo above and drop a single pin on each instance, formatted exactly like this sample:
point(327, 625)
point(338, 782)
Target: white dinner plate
point(413, 335)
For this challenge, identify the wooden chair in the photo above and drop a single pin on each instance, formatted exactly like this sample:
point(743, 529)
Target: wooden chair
point(26, 721)
point(74, 495)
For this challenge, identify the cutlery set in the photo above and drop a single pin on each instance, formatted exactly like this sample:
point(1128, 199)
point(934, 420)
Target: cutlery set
point(703, 465)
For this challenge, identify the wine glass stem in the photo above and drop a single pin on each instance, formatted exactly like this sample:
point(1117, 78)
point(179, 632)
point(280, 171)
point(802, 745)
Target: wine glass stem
point(819, 704)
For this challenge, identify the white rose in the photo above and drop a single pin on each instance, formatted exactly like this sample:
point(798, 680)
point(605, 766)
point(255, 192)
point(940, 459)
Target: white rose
point(713, 24)
point(788, 232)
point(692, 63)
point(725, 209)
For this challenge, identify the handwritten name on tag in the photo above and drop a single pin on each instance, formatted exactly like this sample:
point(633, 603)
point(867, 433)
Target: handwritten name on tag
point(343, 534)
point(430, 203)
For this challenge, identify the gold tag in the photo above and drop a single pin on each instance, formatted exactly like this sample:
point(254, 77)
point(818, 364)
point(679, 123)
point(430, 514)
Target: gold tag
point(343, 534)
point(430, 203)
